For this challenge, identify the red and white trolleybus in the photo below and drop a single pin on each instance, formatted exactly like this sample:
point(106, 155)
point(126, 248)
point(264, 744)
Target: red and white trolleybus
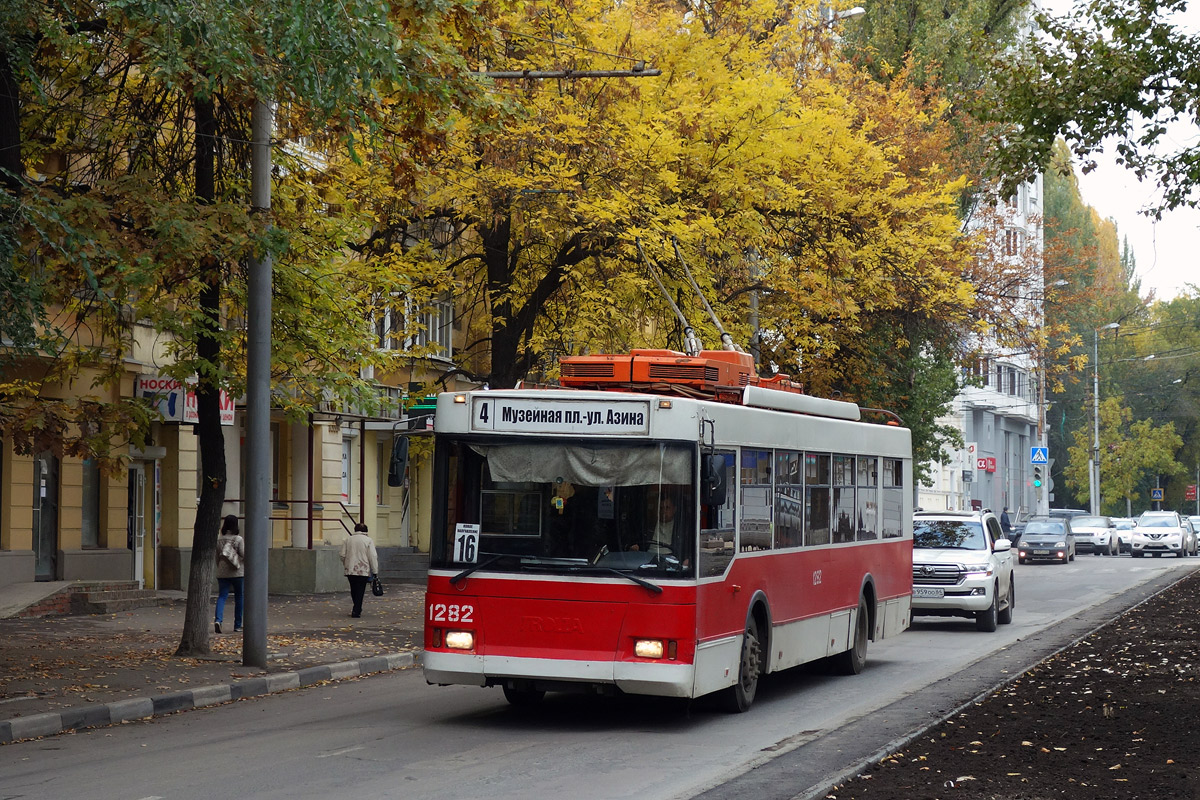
point(662, 524)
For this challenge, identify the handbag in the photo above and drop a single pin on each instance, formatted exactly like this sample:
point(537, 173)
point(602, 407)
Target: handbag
point(229, 553)
point(376, 586)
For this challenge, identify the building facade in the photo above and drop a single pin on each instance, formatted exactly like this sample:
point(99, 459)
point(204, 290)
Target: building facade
point(64, 519)
point(1000, 408)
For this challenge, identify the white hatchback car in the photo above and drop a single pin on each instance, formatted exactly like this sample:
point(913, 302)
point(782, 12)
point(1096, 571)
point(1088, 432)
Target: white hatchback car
point(1159, 532)
point(963, 567)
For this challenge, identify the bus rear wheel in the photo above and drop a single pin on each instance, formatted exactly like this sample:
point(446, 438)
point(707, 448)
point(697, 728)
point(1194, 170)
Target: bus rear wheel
point(740, 696)
point(852, 661)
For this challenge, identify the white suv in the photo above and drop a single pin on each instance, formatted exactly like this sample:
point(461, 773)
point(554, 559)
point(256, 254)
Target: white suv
point(1159, 532)
point(962, 567)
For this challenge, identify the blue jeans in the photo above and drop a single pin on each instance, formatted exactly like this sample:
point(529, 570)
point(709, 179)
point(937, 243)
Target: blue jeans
point(226, 584)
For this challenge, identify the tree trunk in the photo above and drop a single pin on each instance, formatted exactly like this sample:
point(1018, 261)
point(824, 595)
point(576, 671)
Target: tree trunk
point(198, 614)
point(513, 323)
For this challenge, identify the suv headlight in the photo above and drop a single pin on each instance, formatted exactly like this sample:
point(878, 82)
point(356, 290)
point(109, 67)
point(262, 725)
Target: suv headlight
point(977, 569)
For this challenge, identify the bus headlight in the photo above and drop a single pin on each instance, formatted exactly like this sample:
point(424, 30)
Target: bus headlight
point(460, 640)
point(648, 648)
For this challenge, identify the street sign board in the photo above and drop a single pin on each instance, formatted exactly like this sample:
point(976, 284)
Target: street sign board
point(1190, 494)
point(1039, 455)
point(1156, 493)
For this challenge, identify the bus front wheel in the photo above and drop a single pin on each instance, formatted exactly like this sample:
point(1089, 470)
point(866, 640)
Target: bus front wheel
point(740, 696)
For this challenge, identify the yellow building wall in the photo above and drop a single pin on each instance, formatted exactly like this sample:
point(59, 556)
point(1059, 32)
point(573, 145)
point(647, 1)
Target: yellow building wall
point(18, 505)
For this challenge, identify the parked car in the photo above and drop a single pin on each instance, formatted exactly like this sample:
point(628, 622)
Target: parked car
point(963, 567)
point(1047, 539)
point(1097, 535)
point(1125, 526)
point(1159, 532)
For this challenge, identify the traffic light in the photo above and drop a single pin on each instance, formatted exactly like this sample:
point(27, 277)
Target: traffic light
point(1037, 481)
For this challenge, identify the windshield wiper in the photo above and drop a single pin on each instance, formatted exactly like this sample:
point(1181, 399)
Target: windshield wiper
point(639, 581)
point(485, 563)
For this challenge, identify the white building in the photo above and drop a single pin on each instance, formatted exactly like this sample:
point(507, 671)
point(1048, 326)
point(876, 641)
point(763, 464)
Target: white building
point(999, 409)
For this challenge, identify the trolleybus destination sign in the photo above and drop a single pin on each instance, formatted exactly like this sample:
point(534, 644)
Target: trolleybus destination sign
point(582, 417)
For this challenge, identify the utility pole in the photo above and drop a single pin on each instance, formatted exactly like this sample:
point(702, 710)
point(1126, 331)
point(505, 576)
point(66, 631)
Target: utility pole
point(258, 402)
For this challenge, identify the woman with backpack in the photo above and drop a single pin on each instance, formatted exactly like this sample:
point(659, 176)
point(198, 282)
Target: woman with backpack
point(231, 570)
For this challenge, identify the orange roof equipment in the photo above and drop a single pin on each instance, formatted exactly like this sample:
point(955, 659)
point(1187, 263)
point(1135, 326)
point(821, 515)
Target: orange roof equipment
point(710, 373)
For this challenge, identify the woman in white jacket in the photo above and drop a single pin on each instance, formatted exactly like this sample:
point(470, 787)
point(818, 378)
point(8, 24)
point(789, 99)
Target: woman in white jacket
point(231, 571)
point(360, 562)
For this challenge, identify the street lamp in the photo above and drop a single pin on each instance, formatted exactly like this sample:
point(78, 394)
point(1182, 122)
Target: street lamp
point(1094, 466)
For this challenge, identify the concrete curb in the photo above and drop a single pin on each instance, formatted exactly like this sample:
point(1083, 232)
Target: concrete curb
point(101, 714)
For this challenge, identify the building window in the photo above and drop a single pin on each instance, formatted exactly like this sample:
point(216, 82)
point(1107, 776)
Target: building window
point(90, 520)
point(347, 470)
point(400, 325)
point(381, 471)
point(1012, 242)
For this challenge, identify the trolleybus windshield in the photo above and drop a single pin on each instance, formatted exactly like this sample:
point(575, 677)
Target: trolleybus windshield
point(566, 507)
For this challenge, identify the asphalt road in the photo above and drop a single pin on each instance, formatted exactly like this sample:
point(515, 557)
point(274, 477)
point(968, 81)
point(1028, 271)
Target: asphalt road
point(395, 737)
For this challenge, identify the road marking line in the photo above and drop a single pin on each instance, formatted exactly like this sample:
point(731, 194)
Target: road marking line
point(342, 752)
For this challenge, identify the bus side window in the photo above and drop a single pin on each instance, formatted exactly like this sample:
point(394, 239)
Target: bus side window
point(718, 533)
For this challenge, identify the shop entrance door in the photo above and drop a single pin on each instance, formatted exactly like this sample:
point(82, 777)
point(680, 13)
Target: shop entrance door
point(45, 516)
point(136, 525)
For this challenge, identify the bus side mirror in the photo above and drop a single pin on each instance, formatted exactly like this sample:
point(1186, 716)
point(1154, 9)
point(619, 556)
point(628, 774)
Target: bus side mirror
point(712, 480)
point(399, 461)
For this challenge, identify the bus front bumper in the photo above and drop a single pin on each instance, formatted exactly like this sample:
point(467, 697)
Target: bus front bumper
point(632, 677)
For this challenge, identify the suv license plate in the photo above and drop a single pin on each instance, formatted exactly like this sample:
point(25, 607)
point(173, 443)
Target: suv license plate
point(928, 591)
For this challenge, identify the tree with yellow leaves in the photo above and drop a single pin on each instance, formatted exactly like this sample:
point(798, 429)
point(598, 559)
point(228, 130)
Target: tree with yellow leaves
point(779, 173)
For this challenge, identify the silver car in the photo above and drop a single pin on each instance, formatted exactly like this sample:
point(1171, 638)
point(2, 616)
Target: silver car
point(1097, 535)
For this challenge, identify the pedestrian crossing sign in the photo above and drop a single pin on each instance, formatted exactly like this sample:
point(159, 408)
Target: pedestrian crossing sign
point(1039, 455)
point(1156, 494)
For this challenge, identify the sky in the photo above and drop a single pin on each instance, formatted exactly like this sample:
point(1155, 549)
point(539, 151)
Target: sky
point(1167, 251)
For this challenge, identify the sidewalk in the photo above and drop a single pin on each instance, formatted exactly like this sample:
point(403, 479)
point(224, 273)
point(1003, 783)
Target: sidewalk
point(61, 673)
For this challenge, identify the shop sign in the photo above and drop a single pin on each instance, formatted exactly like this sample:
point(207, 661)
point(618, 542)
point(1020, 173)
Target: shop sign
point(176, 402)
